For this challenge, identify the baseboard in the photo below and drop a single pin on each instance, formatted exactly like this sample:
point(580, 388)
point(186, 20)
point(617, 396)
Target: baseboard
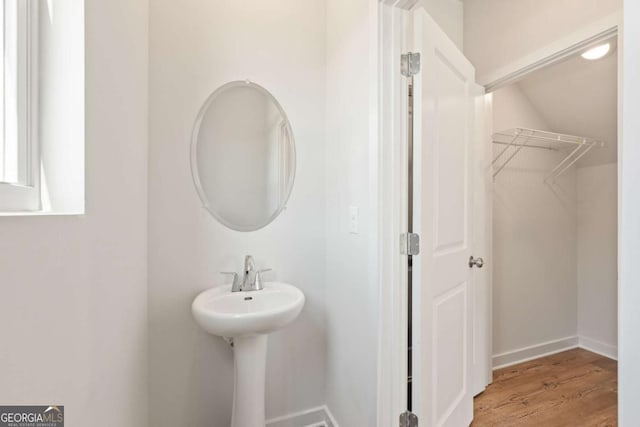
point(598, 347)
point(525, 354)
point(314, 417)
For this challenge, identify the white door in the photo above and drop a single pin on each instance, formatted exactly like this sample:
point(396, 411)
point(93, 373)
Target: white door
point(482, 226)
point(442, 296)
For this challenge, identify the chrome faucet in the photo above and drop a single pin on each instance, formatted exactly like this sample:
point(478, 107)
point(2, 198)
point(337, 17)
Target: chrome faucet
point(251, 280)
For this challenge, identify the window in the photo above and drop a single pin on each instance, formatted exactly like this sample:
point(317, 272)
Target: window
point(19, 154)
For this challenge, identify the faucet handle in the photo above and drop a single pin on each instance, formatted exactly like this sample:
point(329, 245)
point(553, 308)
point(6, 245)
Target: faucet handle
point(236, 279)
point(258, 279)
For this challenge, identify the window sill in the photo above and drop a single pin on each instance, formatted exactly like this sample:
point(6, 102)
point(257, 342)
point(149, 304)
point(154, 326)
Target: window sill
point(39, 213)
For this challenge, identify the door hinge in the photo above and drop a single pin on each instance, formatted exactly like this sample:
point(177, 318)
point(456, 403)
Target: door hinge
point(408, 419)
point(410, 64)
point(409, 244)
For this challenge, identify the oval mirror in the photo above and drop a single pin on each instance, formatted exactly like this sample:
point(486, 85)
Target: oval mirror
point(243, 156)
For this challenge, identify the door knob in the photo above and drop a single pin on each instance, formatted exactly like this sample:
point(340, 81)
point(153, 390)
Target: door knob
point(475, 262)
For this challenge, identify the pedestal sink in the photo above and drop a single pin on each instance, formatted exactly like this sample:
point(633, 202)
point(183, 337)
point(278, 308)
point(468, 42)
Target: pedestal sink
point(248, 317)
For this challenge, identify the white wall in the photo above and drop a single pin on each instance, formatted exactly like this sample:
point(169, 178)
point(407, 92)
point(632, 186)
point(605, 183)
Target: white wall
point(498, 32)
point(449, 16)
point(534, 240)
point(73, 306)
point(597, 256)
point(512, 109)
point(629, 245)
point(195, 47)
point(352, 315)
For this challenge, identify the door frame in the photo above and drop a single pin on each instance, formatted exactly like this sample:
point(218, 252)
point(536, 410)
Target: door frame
point(391, 145)
point(392, 148)
point(393, 19)
point(392, 24)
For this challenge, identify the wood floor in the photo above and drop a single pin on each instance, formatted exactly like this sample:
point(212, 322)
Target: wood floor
point(573, 388)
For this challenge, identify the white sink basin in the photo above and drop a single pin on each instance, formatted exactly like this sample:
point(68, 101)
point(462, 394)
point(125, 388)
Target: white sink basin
point(247, 317)
point(233, 314)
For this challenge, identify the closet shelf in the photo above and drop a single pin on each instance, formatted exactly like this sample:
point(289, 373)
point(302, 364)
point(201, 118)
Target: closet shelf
point(516, 139)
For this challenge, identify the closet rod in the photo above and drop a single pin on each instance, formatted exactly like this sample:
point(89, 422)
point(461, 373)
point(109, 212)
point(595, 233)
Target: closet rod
point(543, 147)
point(547, 136)
point(518, 138)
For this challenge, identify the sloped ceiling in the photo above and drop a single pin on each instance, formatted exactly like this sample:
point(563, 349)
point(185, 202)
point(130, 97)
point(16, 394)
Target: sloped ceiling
point(579, 97)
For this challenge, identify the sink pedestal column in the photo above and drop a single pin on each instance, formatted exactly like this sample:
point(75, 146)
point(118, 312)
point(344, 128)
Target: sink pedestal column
point(250, 359)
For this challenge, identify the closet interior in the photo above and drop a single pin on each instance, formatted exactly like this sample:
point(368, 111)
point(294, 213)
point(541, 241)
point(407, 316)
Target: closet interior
point(555, 211)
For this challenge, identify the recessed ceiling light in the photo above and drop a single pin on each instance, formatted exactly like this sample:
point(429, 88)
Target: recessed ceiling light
point(597, 52)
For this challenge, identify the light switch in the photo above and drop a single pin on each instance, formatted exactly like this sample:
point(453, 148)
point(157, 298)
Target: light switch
point(354, 219)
